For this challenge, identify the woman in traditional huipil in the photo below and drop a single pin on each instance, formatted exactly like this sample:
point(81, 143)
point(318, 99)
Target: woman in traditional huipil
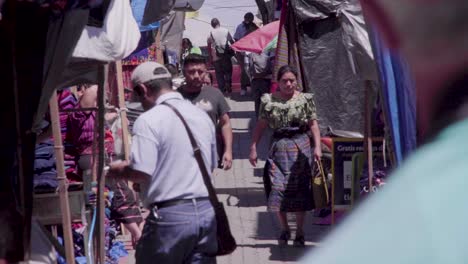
point(291, 114)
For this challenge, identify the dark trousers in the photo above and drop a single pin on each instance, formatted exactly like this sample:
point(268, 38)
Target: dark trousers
point(245, 80)
point(266, 179)
point(223, 69)
point(260, 87)
point(245, 77)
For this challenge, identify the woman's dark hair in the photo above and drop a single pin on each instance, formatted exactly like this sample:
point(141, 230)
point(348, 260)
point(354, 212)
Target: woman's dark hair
point(210, 75)
point(249, 16)
point(188, 42)
point(83, 86)
point(194, 59)
point(172, 69)
point(214, 22)
point(285, 69)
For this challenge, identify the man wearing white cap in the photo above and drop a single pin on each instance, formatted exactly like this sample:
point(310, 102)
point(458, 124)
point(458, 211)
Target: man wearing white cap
point(181, 226)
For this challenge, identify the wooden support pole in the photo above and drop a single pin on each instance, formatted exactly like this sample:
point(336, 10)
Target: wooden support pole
point(368, 132)
point(62, 180)
point(123, 114)
point(103, 72)
point(159, 52)
point(123, 118)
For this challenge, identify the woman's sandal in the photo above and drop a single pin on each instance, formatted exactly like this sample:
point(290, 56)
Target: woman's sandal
point(299, 241)
point(284, 237)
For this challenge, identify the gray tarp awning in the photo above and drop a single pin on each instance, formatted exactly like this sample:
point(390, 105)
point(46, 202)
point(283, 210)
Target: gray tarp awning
point(336, 58)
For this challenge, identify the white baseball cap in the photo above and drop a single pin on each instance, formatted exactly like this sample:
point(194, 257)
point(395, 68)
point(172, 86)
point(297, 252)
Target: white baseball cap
point(149, 71)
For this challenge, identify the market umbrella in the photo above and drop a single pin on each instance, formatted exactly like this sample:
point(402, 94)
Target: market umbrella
point(260, 40)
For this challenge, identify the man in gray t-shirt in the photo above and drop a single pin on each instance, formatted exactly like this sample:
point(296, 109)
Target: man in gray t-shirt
point(210, 100)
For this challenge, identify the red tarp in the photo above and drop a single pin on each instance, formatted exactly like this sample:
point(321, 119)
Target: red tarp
point(259, 39)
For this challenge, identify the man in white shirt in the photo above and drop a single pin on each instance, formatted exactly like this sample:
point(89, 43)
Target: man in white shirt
point(181, 226)
point(218, 40)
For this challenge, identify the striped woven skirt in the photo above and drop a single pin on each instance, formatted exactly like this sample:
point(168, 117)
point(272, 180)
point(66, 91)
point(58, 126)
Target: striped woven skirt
point(125, 207)
point(290, 173)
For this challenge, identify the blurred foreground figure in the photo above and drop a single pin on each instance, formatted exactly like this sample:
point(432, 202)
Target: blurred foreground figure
point(420, 215)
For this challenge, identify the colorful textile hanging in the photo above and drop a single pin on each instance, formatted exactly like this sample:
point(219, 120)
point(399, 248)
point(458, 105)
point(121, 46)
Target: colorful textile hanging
point(287, 51)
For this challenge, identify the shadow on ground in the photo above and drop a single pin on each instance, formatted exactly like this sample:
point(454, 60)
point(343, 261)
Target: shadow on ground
point(244, 197)
point(268, 227)
point(238, 98)
point(242, 114)
point(285, 253)
point(258, 172)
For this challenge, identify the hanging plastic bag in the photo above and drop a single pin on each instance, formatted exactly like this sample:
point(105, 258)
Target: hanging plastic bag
point(117, 39)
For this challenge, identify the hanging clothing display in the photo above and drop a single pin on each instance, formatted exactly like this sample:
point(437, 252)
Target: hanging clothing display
point(45, 173)
point(145, 51)
point(147, 13)
point(117, 38)
point(172, 30)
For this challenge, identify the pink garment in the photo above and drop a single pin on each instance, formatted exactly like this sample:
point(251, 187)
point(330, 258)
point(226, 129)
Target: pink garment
point(66, 100)
point(82, 131)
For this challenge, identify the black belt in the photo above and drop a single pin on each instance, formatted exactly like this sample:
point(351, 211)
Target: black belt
point(289, 132)
point(177, 202)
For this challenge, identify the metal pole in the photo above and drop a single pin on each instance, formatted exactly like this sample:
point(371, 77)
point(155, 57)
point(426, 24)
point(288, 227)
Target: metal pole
point(103, 72)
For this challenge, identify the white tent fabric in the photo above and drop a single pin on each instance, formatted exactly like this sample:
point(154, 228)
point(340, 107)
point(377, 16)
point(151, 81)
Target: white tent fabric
point(117, 39)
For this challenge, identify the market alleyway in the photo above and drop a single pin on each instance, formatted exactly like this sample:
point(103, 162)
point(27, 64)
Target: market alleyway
point(241, 191)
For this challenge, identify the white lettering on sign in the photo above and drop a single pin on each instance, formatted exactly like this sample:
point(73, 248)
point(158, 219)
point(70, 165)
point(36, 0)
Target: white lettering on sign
point(341, 148)
point(376, 147)
point(347, 172)
point(347, 197)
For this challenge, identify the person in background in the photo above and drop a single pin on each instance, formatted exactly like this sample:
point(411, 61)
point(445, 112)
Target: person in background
point(81, 124)
point(243, 29)
point(181, 226)
point(260, 67)
point(188, 48)
point(176, 80)
point(127, 94)
point(246, 27)
point(218, 40)
point(212, 101)
point(208, 80)
point(124, 207)
point(292, 115)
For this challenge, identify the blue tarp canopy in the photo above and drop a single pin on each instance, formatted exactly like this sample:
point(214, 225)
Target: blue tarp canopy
point(399, 96)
